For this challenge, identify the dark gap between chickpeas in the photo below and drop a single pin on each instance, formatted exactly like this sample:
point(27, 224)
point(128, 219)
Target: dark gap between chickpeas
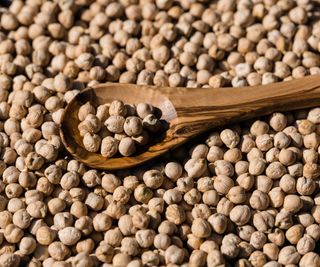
point(120, 129)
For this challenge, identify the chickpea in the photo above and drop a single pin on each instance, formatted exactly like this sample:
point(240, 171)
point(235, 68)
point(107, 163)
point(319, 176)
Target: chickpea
point(109, 146)
point(201, 228)
point(175, 214)
point(288, 255)
point(9, 259)
point(45, 236)
point(12, 233)
point(126, 146)
point(174, 254)
point(292, 203)
point(21, 219)
point(173, 170)
point(237, 195)
point(27, 245)
point(263, 221)
point(91, 142)
point(229, 138)
point(153, 178)
point(69, 235)
point(259, 200)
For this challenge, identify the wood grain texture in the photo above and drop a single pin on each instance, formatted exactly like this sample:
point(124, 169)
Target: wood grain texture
point(189, 111)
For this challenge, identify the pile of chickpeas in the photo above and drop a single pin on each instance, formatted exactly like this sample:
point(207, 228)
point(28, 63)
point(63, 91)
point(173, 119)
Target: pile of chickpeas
point(247, 195)
point(118, 127)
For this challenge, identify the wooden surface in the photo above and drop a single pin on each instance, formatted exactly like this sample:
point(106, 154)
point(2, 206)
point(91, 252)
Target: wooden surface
point(189, 111)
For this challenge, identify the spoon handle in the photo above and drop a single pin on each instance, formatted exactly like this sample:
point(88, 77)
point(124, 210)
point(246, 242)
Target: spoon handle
point(200, 109)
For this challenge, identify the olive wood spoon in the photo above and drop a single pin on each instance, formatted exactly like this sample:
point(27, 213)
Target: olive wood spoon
point(189, 112)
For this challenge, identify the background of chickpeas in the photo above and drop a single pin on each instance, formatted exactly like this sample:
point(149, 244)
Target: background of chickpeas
point(245, 195)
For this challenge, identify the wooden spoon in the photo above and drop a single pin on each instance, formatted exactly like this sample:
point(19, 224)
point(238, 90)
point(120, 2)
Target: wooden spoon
point(189, 112)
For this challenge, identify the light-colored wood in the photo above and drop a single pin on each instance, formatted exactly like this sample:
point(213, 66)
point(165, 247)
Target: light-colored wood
point(189, 111)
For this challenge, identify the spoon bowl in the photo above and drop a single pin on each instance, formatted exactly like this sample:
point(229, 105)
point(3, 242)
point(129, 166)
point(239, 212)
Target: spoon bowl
point(106, 93)
point(189, 112)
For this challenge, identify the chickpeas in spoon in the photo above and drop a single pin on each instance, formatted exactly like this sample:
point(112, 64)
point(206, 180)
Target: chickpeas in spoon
point(117, 127)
